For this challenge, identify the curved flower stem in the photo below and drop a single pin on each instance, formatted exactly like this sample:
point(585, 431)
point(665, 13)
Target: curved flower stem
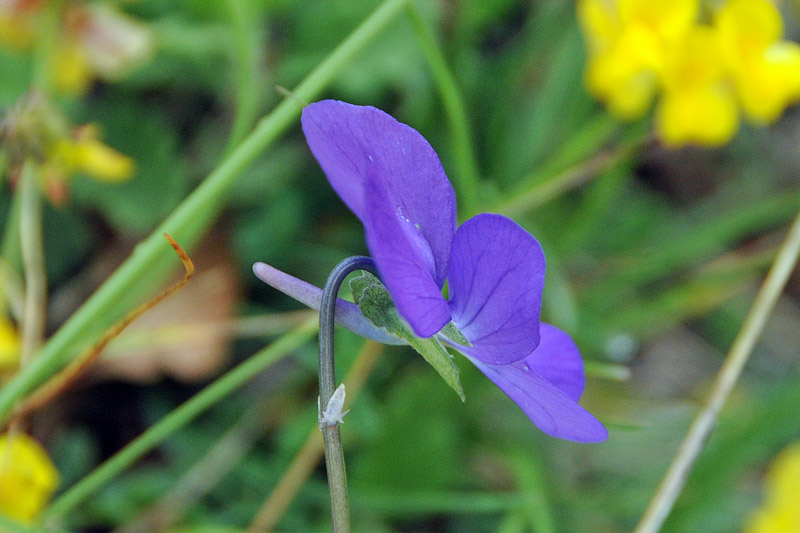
point(306, 459)
point(334, 457)
point(468, 175)
point(704, 422)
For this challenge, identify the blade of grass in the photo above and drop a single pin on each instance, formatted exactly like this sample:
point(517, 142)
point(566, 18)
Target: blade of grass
point(701, 427)
point(181, 416)
point(467, 175)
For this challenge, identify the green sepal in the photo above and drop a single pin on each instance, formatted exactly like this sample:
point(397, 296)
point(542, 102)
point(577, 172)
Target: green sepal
point(454, 334)
point(375, 303)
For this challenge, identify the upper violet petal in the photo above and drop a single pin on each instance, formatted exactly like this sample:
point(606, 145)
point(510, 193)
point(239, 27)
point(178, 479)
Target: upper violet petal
point(548, 407)
point(347, 314)
point(403, 259)
point(346, 139)
point(558, 360)
point(495, 281)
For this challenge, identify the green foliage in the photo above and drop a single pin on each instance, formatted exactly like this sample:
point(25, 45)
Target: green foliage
point(653, 260)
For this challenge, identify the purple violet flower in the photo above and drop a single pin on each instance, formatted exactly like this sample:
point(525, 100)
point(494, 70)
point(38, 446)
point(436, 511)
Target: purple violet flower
point(391, 178)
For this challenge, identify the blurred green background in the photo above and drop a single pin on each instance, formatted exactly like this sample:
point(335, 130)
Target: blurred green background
point(654, 257)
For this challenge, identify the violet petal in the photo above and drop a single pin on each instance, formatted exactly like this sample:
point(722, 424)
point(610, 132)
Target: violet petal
point(346, 139)
point(495, 280)
point(550, 409)
point(348, 315)
point(403, 259)
point(558, 360)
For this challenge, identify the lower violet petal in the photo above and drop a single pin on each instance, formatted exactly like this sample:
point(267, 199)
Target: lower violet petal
point(495, 280)
point(558, 360)
point(403, 259)
point(550, 409)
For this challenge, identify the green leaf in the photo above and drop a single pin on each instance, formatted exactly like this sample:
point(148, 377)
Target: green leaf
point(376, 304)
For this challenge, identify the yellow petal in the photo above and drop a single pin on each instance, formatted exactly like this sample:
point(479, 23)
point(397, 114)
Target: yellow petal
point(27, 477)
point(15, 30)
point(9, 345)
point(748, 26)
point(668, 20)
point(70, 70)
point(767, 84)
point(695, 62)
point(102, 162)
point(600, 24)
point(707, 116)
point(783, 480)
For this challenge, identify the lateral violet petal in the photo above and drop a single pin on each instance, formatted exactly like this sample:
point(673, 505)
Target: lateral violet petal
point(348, 315)
point(558, 360)
point(346, 139)
point(495, 281)
point(403, 259)
point(550, 409)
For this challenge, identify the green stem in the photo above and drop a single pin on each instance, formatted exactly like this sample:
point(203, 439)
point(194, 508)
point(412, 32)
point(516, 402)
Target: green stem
point(245, 48)
point(334, 456)
point(467, 175)
point(706, 419)
point(10, 244)
point(181, 416)
point(192, 216)
point(33, 319)
point(544, 191)
point(46, 43)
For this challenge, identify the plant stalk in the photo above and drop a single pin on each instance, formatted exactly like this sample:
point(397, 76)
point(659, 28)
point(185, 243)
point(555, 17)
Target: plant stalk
point(670, 487)
point(334, 457)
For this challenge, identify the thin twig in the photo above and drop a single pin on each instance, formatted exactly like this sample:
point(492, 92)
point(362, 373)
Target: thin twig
point(704, 422)
point(204, 475)
point(303, 464)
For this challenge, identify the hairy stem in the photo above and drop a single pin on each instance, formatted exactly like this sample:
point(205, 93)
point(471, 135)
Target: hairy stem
point(334, 457)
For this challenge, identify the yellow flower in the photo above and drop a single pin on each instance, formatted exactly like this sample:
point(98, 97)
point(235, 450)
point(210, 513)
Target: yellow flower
point(629, 42)
point(85, 153)
point(94, 40)
point(27, 477)
point(698, 105)
point(16, 24)
point(34, 130)
point(9, 344)
point(765, 69)
point(781, 510)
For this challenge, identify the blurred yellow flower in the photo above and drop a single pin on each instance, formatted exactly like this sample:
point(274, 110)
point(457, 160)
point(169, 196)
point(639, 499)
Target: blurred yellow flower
point(16, 23)
point(83, 152)
point(765, 69)
point(9, 344)
point(698, 105)
point(628, 42)
point(95, 41)
point(36, 131)
point(27, 477)
point(705, 72)
point(781, 510)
